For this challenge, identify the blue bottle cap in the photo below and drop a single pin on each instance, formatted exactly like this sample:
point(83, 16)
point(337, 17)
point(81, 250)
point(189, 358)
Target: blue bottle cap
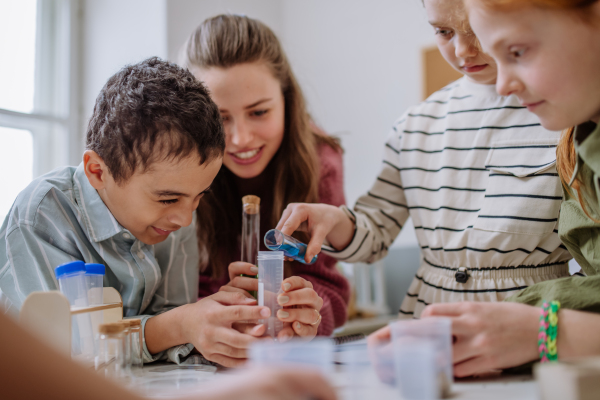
point(95, 269)
point(69, 268)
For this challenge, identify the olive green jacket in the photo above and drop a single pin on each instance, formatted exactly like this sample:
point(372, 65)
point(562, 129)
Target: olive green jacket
point(578, 232)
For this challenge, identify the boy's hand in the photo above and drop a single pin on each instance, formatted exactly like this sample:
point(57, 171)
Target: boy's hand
point(209, 326)
point(241, 284)
point(320, 221)
point(301, 309)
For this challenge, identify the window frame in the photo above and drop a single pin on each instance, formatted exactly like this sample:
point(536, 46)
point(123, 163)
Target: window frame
point(54, 122)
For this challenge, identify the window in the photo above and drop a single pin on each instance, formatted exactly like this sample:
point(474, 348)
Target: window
point(37, 115)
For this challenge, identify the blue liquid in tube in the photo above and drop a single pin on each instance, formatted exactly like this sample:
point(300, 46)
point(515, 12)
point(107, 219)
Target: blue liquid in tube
point(293, 248)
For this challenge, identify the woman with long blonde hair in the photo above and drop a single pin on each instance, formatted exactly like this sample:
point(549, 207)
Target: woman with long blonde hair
point(273, 151)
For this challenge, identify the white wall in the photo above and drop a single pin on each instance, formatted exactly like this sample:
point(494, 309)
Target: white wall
point(359, 65)
point(358, 62)
point(116, 33)
point(184, 15)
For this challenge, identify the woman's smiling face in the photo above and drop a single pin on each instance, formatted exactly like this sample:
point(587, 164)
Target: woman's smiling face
point(252, 106)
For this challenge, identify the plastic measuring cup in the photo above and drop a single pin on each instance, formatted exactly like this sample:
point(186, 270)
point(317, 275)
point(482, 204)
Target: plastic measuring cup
point(270, 276)
point(425, 347)
point(293, 248)
point(317, 353)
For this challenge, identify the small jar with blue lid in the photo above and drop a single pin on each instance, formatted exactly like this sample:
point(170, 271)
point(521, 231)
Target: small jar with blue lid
point(94, 276)
point(71, 280)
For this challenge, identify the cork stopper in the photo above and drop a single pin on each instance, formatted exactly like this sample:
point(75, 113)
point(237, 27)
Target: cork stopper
point(111, 329)
point(251, 204)
point(130, 322)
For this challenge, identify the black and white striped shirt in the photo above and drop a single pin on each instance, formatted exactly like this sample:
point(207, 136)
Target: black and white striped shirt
point(476, 173)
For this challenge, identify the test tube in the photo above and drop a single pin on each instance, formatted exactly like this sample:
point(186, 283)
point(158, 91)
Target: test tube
point(94, 276)
point(270, 277)
point(250, 230)
point(291, 247)
point(110, 360)
point(437, 331)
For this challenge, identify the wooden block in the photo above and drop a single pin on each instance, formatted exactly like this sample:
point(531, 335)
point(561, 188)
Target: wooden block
point(48, 316)
point(437, 73)
point(574, 380)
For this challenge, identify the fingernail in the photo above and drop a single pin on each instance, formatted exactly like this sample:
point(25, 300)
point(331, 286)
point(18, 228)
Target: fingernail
point(287, 286)
point(283, 314)
point(256, 329)
point(283, 299)
point(249, 300)
point(285, 338)
point(254, 270)
point(298, 326)
point(265, 312)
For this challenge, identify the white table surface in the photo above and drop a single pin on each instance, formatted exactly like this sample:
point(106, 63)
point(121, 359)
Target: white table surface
point(168, 381)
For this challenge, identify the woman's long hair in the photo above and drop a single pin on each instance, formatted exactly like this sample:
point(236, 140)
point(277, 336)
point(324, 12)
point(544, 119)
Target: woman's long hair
point(222, 42)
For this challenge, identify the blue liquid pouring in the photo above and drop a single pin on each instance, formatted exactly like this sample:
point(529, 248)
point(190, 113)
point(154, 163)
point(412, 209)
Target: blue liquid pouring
point(277, 241)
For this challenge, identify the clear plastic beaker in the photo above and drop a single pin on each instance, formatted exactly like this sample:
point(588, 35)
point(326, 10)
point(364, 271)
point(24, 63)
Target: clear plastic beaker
point(416, 369)
point(317, 353)
point(94, 277)
point(436, 331)
point(293, 248)
point(110, 360)
point(270, 277)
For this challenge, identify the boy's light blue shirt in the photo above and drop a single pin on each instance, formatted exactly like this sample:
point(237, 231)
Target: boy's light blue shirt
point(60, 217)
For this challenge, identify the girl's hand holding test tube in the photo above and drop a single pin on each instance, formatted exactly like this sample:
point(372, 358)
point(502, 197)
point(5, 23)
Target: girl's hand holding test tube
point(301, 304)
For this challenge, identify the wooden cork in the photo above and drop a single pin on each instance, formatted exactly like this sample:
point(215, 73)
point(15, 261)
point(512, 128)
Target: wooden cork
point(251, 204)
point(111, 329)
point(135, 322)
point(130, 322)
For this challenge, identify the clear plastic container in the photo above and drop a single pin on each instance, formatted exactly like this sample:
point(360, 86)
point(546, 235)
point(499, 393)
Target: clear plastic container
point(137, 344)
point(72, 283)
point(127, 344)
point(110, 360)
point(415, 369)
point(317, 353)
point(362, 373)
point(293, 248)
point(270, 277)
point(71, 280)
point(437, 332)
point(94, 277)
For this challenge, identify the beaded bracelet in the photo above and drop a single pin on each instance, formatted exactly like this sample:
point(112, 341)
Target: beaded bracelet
point(548, 331)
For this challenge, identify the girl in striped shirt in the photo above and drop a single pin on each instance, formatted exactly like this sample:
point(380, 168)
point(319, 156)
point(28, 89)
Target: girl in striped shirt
point(476, 173)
